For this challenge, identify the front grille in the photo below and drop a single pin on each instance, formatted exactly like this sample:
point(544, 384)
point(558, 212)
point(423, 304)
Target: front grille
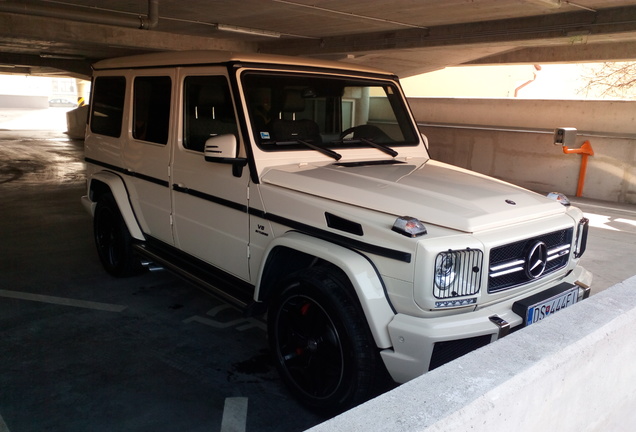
point(444, 352)
point(509, 263)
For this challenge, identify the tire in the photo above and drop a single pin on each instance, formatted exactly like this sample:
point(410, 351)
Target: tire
point(113, 240)
point(322, 346)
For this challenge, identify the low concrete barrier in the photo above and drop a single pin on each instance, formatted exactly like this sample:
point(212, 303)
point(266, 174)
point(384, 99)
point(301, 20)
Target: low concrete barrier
point(76, 122)
point(572, 372)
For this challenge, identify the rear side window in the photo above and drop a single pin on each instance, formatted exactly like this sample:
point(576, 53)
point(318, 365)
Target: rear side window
point(107, 106)
point(151, 108)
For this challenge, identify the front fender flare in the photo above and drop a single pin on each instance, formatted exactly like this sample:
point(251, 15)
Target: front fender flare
point(360, 271)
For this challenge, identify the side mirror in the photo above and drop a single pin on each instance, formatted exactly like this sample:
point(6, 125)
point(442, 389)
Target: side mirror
point(223, 149)
point(565, 137)
point(220, 148)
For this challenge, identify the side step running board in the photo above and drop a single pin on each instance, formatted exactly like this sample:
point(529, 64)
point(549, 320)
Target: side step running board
point(194, 274)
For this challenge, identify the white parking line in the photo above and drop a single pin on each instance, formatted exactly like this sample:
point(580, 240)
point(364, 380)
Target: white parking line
point(234, 415)
point(246, 323)
point(3, 425)
point(62, 301)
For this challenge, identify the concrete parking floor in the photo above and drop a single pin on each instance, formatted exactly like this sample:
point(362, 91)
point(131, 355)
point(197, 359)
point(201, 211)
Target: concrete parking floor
point(612, 244)
point(82, 351)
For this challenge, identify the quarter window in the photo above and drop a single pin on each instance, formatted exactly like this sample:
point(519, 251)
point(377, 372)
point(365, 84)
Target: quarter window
point(107, 106)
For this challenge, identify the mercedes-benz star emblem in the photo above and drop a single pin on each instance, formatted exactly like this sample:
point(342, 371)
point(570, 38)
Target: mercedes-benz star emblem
point(536, 260)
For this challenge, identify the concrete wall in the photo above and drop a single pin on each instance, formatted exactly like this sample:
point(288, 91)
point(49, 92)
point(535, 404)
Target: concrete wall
point(512, 139)
point(572, 372)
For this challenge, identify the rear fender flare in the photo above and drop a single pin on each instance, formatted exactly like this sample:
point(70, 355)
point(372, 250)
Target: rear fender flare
point(118, 189)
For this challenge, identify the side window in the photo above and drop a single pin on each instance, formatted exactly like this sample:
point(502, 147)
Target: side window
point(107, 106)
point(208, 110)
point(151, 108)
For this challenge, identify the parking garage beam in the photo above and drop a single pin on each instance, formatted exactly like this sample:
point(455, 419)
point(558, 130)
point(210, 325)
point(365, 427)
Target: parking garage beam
point(100, 17)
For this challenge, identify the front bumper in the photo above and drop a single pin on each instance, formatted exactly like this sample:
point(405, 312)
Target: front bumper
point(422, 344)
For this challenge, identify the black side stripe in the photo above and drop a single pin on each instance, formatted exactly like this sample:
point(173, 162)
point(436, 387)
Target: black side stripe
point(154, 180)
point(140, 176)
point(334, 238)
point(298, 226)
point(207, 197)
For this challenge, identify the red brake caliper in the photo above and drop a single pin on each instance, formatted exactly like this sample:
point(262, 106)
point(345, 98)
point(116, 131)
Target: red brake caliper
point(303, 311)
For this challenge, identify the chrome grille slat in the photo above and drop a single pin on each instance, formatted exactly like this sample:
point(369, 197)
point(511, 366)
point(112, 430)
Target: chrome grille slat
point(505, 266)
point(559, 249)
point(505, 272)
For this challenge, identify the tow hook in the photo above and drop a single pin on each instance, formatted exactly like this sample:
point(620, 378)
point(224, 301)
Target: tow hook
point(502, 324)
point(586, 289)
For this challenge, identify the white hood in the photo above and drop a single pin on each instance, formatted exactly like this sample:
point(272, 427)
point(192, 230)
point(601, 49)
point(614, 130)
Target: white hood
point(433, 192)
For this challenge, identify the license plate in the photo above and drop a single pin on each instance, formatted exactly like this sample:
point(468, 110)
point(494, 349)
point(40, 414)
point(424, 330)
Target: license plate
point(545, 308)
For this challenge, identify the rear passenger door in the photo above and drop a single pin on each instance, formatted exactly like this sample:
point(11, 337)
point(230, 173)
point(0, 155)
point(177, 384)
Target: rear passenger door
point(209, 202)
point(147, 150)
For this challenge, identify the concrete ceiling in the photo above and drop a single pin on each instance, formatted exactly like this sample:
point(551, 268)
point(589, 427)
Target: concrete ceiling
point(407, 37)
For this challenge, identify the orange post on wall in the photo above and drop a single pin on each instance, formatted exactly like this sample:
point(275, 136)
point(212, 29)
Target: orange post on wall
point(585, 151)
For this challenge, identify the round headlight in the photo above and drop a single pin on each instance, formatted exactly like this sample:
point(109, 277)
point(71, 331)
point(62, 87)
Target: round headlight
point(445, 270)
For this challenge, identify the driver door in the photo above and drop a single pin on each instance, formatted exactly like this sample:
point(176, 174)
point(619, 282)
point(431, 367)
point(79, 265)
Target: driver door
point(209, 203)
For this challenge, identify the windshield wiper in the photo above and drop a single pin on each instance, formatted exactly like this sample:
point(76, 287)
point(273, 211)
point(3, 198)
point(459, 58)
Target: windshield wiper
point(382, 147)
point(325, 151)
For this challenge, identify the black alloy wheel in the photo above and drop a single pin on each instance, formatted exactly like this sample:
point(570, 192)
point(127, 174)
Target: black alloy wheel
point(113, 241)
point(321, 344)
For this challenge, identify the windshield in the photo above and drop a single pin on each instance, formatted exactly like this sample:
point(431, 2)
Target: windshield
point(313, 112)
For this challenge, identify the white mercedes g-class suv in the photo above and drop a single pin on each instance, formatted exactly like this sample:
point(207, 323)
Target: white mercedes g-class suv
point(302, 190)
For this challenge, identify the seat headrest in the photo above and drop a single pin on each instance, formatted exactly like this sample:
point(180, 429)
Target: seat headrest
point(293, 101)
point(211, 96)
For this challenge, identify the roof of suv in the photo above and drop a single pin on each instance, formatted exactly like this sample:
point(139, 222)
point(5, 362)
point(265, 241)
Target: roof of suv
point(203, 57)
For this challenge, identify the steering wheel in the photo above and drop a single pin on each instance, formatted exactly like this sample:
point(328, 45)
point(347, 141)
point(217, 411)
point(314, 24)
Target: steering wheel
point(366, 131)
